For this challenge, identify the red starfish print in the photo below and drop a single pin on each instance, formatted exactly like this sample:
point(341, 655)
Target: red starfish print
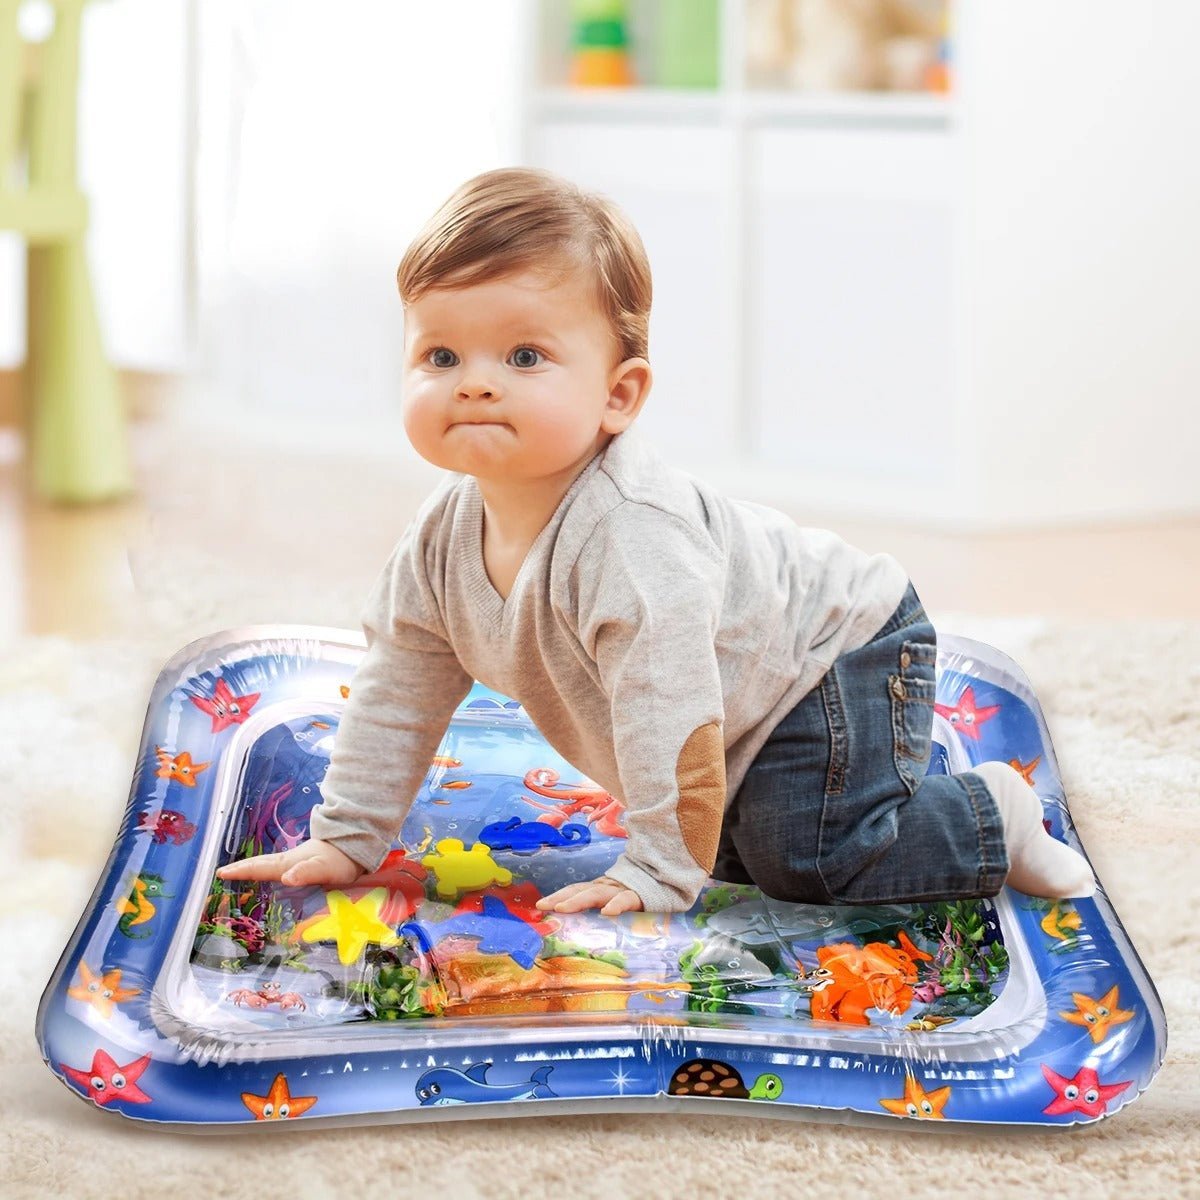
point(1084, 1093)
point(964, 716)
point(107, 1081)
point(225, 708)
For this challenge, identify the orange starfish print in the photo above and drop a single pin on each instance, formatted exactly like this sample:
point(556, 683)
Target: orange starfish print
point(917, 1102)
point(278, 1104)
point(102, 992)
point(180, 768)
point(1097, 1015)
point(1026, 769)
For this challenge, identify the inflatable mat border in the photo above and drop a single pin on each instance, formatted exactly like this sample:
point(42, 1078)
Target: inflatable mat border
point(126, 1049)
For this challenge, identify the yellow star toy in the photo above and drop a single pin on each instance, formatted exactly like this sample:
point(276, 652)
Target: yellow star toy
point(1097, 1015)
point(352, 924)
point(925, 1106)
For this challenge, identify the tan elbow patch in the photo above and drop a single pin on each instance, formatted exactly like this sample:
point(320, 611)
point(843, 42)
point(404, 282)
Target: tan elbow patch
point(700, 777)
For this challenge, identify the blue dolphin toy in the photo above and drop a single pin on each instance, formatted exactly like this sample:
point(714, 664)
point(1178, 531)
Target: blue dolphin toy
point(498, 931)
point(524, 837)
point(444, 1085)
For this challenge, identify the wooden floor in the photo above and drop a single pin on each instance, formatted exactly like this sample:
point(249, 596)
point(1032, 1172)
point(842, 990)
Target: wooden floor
point(66, 571)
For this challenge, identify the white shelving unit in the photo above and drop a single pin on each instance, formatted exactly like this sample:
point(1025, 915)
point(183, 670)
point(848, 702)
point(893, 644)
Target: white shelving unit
point(733, 190)
point(881, 304)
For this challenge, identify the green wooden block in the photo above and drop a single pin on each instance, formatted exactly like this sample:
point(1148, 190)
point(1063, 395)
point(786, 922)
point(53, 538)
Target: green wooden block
point(688, 43)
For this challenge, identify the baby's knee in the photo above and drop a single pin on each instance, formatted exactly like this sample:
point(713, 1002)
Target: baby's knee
point(792, 883)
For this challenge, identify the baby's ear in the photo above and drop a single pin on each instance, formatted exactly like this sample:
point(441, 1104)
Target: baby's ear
point(629, 385)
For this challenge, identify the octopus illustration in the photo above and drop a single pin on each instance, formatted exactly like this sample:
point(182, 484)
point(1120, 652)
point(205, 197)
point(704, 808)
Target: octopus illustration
point(165, 825)
point(596, 806)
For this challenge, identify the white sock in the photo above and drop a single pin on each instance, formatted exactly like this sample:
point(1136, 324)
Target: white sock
point(1039, 864)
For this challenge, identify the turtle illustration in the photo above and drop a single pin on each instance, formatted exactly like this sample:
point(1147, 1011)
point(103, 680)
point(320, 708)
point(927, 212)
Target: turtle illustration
point(706, 1077)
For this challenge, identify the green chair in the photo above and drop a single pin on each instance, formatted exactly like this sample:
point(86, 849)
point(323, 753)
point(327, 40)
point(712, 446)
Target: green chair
point(77, 436)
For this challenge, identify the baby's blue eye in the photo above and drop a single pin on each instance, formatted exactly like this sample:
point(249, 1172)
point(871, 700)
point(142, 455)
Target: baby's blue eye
point(441, 362)
point(526, 356)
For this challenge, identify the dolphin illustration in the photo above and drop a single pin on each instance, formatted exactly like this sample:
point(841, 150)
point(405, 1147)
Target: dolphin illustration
point(444, 1085)
point(498, 931)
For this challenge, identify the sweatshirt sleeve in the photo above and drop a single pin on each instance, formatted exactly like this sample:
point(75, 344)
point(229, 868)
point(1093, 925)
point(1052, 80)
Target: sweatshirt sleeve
point(402, 696)
point(650, 591)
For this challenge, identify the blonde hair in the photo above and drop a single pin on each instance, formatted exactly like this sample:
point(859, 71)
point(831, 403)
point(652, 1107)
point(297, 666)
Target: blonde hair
point(519, 218)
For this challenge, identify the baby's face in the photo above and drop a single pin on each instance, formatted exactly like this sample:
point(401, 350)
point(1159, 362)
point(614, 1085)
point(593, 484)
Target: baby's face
point(510, 379)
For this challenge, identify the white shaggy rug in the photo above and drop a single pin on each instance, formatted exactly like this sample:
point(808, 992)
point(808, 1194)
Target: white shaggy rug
point(1123, 706)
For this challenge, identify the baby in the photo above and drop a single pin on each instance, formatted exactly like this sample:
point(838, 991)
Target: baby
point(757, 694)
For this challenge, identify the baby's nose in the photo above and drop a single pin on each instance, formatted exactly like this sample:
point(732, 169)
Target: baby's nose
point(484, 390)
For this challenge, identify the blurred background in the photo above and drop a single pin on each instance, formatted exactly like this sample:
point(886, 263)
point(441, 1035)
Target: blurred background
point(924, 274)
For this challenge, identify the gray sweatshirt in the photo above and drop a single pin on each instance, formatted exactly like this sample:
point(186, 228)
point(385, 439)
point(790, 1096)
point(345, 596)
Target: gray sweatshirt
point(655, 634)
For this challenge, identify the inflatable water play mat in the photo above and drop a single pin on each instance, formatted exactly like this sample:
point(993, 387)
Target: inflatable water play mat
point(435, 983)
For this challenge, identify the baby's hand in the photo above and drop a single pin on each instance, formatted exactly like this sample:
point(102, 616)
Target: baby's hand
point(611, 897)
point(310, 862)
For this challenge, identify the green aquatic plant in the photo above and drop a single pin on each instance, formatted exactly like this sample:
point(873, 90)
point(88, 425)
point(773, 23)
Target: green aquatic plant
point(964, 970)
point(708, 990)
point(723, 896)
point(395, 991)
point(554, 947)
point(278, 920)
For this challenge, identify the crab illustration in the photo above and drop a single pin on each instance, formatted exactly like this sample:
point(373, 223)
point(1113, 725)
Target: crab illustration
point(265, 996)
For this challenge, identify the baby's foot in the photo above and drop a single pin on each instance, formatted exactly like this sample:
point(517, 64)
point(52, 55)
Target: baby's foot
point(1039, 864)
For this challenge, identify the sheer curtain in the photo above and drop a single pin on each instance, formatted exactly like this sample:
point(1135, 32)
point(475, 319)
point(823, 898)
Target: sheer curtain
point(326, 135)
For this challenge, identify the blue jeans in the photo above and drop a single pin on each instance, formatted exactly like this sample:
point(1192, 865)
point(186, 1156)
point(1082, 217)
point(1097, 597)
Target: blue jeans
point(836, 807)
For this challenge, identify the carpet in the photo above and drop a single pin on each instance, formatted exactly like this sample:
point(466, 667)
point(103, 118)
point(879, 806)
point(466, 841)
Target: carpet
point(1122, 701)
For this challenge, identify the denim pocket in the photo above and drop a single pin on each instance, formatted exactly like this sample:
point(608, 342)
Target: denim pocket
point(912, 690)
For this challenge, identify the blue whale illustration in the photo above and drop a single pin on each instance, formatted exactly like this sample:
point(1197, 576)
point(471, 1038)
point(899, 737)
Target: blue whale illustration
point(444, 1085)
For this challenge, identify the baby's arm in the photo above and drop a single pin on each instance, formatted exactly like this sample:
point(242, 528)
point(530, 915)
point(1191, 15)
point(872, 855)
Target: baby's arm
point(649, 593)
point(402, 697)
